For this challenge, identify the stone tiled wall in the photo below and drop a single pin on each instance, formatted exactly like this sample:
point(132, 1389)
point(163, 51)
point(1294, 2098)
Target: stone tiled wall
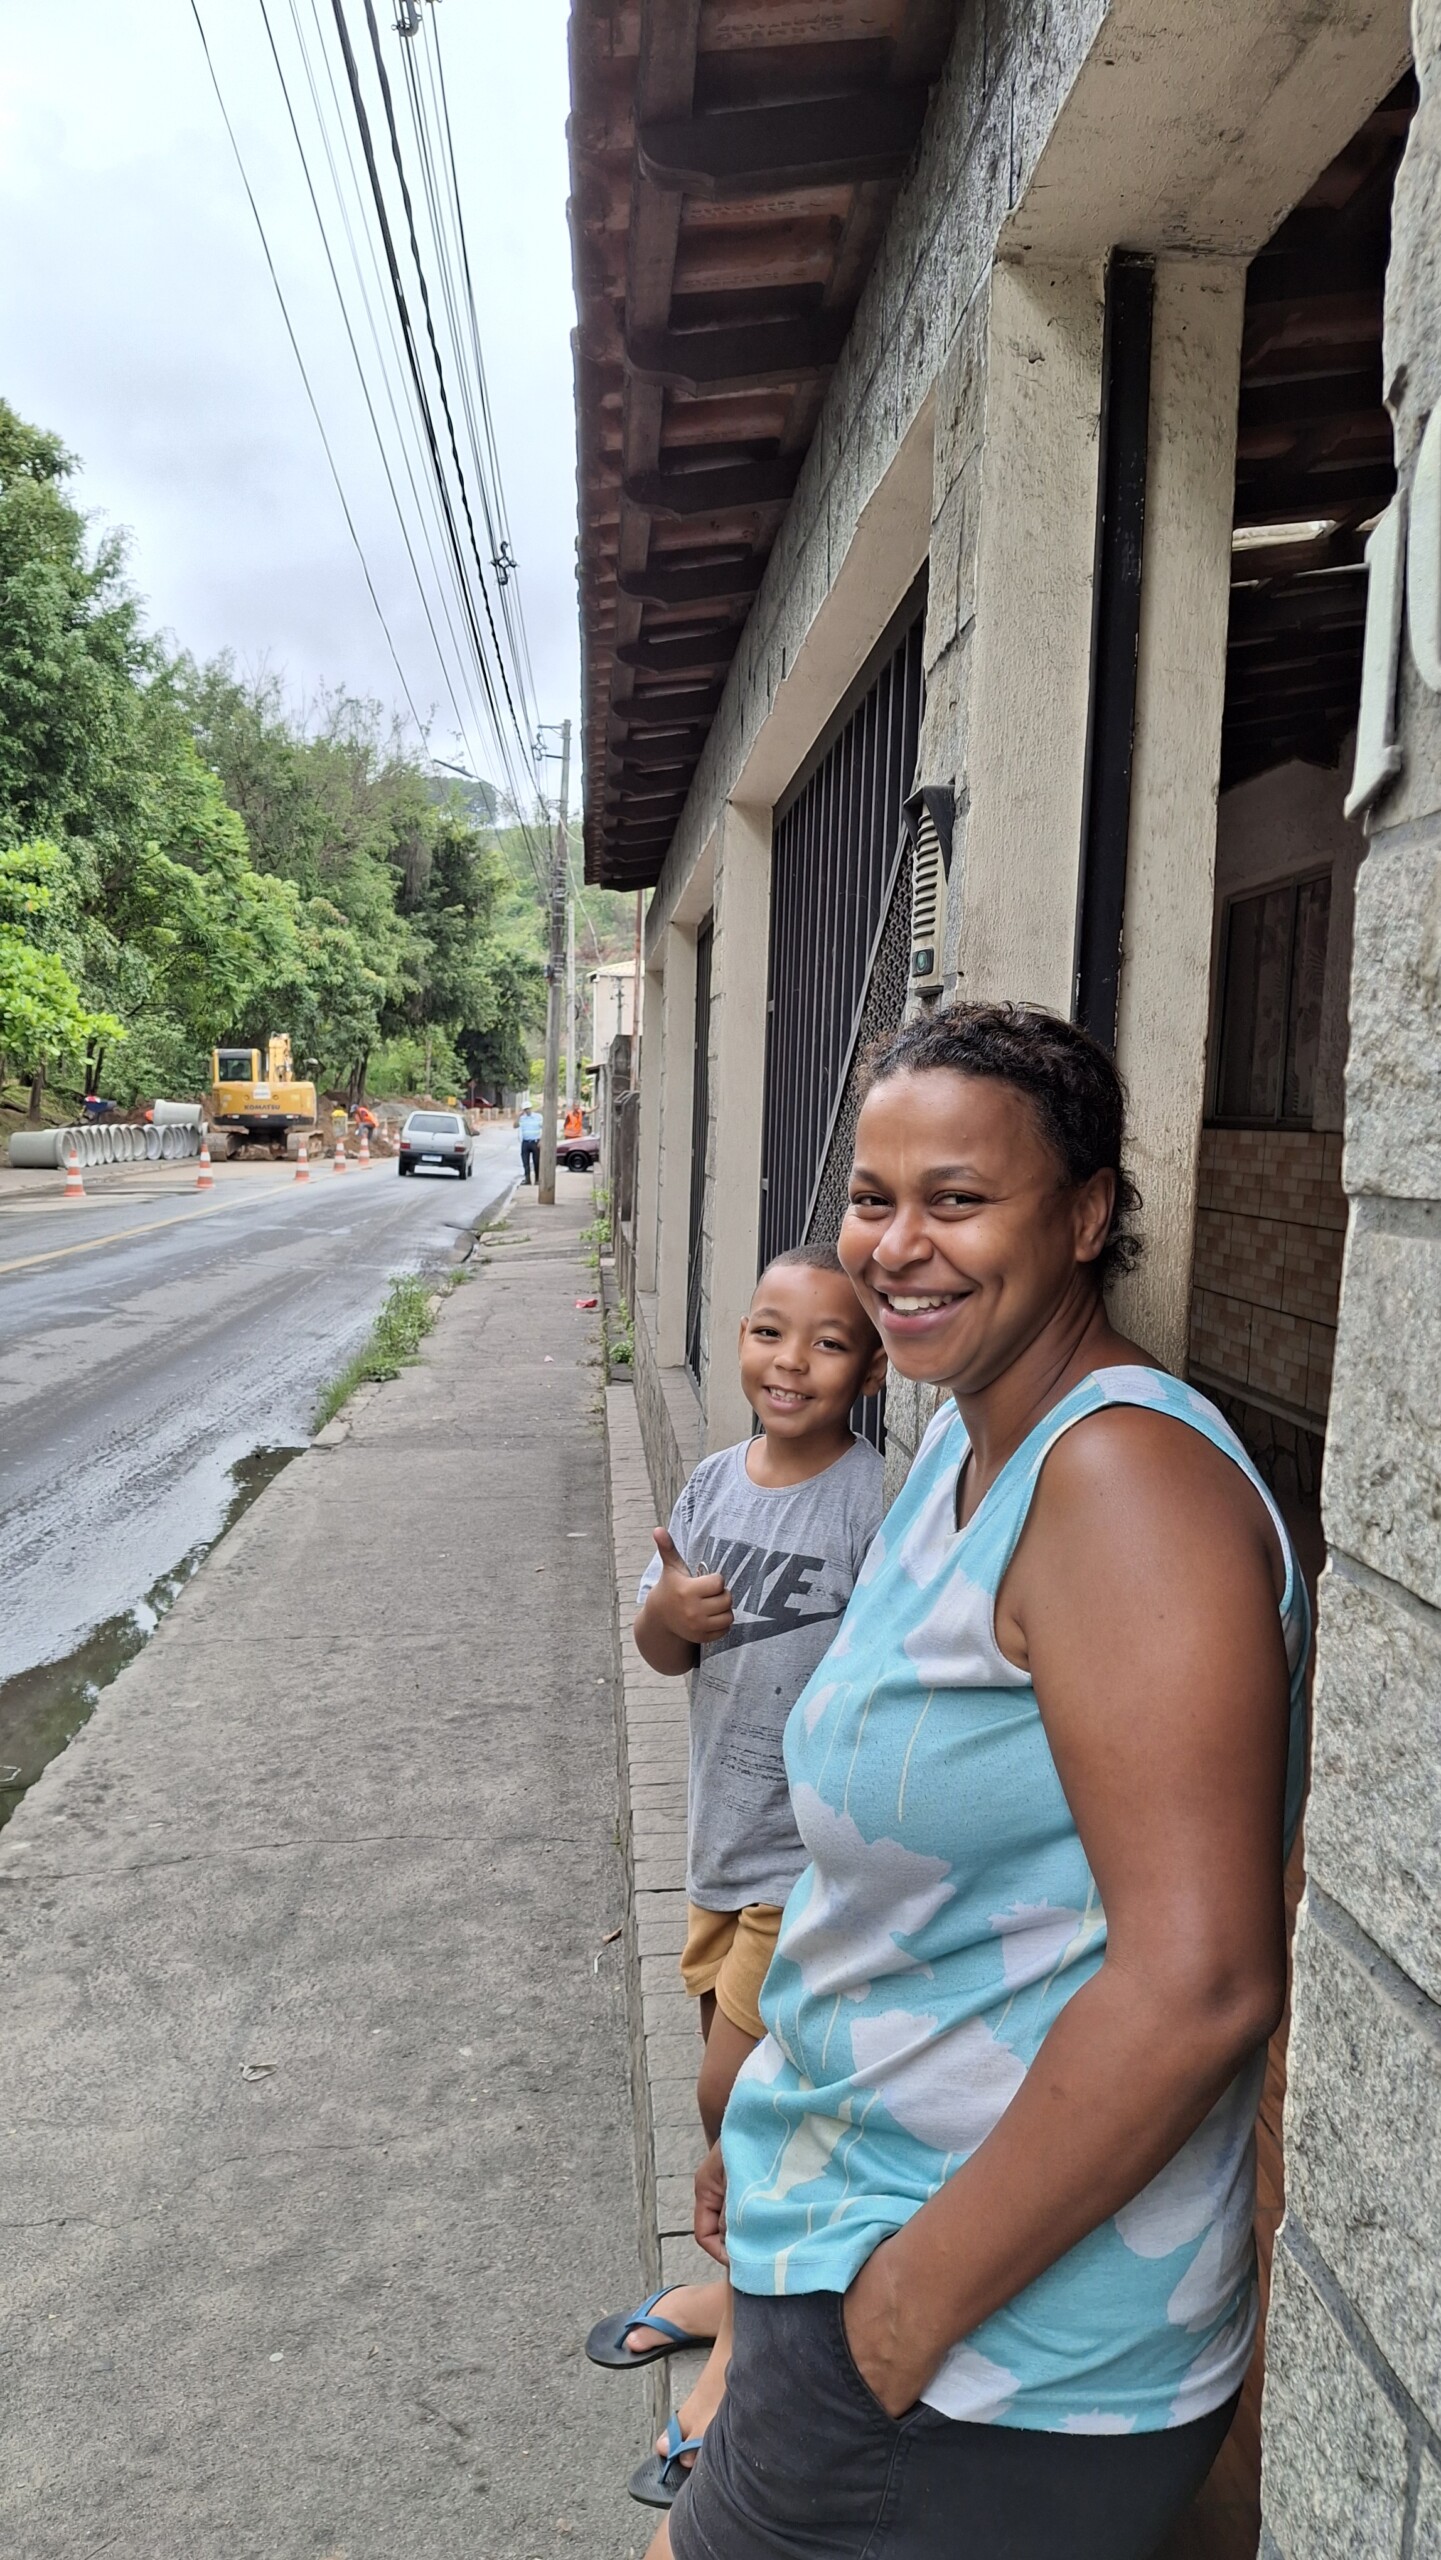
point(1270, 1229)
point(1352, 2420)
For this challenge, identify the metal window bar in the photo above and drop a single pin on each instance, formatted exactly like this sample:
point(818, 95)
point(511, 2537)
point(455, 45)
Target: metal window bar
point(834, 855)
point(840, 949)
point(699, 1147)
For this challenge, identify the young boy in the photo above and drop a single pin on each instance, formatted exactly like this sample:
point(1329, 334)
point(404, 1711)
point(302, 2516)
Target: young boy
point(745, 1592)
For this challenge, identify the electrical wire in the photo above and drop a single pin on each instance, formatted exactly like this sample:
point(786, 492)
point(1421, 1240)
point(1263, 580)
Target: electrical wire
point(446, 221)
point(300, 361)
point(384, 361)
point(416, 373)
point(360, 371)
point(389, 104)
point(438, 80)
point(437, 212)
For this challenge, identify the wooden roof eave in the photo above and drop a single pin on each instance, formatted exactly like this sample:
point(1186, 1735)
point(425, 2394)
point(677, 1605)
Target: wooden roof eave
point(726, 206)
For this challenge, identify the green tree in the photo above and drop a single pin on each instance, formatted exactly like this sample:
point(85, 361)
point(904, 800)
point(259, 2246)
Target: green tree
point(43, 1015)
point(74, 656)
point(217, 865)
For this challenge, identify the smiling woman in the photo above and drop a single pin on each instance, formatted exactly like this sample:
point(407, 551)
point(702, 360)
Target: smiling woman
point(987, 2184)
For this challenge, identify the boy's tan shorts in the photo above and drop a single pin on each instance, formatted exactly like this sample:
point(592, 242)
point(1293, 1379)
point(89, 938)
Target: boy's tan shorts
point(729, 1952)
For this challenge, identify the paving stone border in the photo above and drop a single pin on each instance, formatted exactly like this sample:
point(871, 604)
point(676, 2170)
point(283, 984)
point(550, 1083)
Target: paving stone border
point(653, 1717)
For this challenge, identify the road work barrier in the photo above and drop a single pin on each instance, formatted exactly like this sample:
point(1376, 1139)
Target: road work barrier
point(105, 1142)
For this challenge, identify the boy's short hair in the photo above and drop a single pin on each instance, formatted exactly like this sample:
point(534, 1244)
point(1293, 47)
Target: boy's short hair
point(817, 1257)
point(810, 1257)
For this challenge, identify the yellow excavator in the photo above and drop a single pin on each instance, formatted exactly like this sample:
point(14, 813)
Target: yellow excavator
point(261, 1109)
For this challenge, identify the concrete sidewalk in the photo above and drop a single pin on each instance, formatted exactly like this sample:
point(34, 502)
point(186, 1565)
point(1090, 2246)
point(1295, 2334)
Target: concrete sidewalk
point(315, 2137)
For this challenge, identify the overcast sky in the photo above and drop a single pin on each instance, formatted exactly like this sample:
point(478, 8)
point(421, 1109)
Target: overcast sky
point(137, 319)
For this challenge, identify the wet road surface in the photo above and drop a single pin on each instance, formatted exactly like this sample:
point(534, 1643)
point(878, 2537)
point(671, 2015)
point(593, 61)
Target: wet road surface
point(154, 1339)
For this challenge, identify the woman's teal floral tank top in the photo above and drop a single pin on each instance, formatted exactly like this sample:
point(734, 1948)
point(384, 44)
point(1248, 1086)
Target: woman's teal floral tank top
point(947, 1916)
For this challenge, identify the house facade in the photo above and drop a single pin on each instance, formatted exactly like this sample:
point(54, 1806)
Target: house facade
point(995, 419)
point(612, 1005)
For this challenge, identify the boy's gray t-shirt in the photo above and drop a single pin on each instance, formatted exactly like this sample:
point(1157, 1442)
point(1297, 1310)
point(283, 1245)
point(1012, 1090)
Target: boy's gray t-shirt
point(790, 1557)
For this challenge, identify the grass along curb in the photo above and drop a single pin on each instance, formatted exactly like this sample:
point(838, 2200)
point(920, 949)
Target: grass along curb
point(394, 1341)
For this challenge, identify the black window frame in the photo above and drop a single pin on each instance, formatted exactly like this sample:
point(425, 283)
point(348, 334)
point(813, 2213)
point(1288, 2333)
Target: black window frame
point(1279, 1118)
point(699, 1149)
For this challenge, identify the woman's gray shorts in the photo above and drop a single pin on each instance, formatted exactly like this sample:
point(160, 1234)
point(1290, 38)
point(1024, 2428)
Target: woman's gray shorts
point(803, 2463)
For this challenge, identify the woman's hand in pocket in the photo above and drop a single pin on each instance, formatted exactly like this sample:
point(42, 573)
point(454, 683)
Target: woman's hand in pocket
point(884, 2316)
point(710, 2206)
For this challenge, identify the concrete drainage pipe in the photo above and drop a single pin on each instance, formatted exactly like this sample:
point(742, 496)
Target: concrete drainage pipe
point(36, 1150)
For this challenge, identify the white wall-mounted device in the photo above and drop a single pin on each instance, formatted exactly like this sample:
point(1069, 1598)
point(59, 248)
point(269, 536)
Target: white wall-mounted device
point(927, 818)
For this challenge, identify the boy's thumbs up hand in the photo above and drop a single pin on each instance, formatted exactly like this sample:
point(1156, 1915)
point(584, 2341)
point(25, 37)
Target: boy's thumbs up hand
point(696, 1607)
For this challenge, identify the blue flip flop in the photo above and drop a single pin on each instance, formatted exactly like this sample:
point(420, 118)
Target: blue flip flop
point(606, 2343)
point(662, 2476)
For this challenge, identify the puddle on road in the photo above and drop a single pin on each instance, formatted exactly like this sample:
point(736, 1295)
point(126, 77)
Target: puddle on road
point(43, 1709)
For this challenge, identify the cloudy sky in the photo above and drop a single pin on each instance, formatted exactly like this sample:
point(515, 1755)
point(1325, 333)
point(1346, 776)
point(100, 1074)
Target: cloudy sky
point(138, 320)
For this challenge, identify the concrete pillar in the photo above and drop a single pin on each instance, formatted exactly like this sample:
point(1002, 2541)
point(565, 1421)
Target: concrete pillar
point(1019, 706)
point(647, 1193)
point(677, 959)
point(1009, 637)
point(740, 960)
point(1175, 776)
point(1353, 2394)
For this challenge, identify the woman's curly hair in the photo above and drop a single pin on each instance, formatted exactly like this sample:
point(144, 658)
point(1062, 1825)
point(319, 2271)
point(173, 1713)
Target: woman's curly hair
point(1066, 1076)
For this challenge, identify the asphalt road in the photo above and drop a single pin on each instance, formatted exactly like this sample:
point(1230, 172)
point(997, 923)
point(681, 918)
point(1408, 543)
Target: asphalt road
point(153, 1339)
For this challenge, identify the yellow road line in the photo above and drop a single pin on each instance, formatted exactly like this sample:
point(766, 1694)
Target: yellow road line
point(122, 1235)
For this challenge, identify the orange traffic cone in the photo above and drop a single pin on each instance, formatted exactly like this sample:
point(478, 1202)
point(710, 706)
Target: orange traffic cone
point(339, 1165)
point(302, 1162)
point(205, 1179)
point(74, 1187)
point(364, 1156)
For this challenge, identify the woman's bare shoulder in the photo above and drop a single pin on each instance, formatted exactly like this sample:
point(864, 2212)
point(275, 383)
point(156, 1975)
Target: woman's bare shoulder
point(1138, 1474)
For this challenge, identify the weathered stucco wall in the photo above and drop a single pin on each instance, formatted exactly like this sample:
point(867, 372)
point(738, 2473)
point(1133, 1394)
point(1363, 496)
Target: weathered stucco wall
point(1046, 119)
point(1352, 2427)
point(1012, 63)
point(855, 536)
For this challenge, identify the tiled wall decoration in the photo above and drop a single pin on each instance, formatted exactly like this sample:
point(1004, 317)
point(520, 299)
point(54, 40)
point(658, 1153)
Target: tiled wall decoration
point(1270, 1228)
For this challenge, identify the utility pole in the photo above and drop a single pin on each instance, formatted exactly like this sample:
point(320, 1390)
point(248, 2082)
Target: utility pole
point(571, 1086)
point(554, 978)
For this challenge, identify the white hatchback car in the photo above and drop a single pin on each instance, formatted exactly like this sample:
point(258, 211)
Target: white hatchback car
point(436, 1139)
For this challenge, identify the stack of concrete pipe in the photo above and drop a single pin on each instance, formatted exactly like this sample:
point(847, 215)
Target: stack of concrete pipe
point(175, 1131)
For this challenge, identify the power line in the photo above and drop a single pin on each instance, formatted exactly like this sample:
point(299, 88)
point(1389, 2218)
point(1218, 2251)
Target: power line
point(376, 272)
point(389, 105)
point(477, 659)
point(438, 76)
point(402, 436)
point(359, 367)
point(412, 357)
point(300, 361)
